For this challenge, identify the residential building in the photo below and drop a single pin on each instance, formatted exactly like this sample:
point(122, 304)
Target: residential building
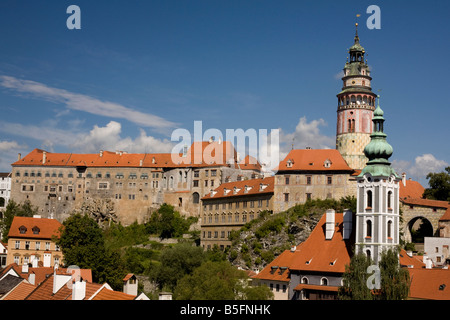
point(312, 174)
point(122, 186)
point(230, 206)
point(31, 239)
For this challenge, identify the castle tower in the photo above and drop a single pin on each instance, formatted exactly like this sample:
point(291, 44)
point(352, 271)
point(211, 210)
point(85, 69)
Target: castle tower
point(377, 212)
point(356, 103)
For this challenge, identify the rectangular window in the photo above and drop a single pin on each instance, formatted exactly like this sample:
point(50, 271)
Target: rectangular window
point(195, 183)
point(47, 245)
point(196, 173)
point(17, 245)
point(286, 197)
point(308, 196)
point(213, 173)
point(329, 180)
point(286, 180)
point(308, 179)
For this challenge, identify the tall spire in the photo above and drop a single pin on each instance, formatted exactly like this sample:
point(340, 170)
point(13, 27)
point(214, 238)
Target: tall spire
point(356, 31)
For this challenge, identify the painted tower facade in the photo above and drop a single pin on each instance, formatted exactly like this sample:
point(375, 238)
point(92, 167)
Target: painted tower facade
point(377, 212)
point(356, 103)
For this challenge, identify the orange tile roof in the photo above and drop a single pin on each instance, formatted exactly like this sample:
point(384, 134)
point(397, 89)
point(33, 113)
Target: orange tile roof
point(107, 294)
point(253, 188)
point(20, 292)
point(278, 269)
point(313, 160)
point(411, 189)
point(47, 228)
point(199, 154)
point(414, 261)
point(319, 254)
point(427, 283)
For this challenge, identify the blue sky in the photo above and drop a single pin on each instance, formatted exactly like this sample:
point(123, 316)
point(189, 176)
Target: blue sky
point(137, 70)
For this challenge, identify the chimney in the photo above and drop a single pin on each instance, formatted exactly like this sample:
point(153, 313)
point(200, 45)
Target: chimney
point(34, 261)
point(185, 151)
point(32, 278)
point(59, 280)
point(78, 290)
point(329, 225)
point(101, 153)
point(347, 231)
point(25, 268)
point(428, 262)
point(44, 157)
point(130, 285)
point(140, 162)
point(19, 156)
point(404, 179)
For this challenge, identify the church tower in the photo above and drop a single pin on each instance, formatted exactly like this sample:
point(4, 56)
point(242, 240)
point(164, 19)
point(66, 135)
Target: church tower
point(377, 211)
point(356, 103)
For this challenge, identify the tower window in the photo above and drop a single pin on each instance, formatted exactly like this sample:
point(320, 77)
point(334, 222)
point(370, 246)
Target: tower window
point(389, 200)
point(368, 229)
point(389, 229)
point(369, 199)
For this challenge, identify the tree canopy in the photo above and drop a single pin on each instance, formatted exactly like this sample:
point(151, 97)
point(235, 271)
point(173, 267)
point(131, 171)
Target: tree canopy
point(439, 186)
point(14, 209)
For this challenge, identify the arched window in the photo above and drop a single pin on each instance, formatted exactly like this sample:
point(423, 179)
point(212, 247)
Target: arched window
point(195, 197)
point(369, 199)
point(305, 280)
point(368, 254)
point(389, 199)
point(368, 228)
point(171, 182)
point(389, 229)
point(324, 281)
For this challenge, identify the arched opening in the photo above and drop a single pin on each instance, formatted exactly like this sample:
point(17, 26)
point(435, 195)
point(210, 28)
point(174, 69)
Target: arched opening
point(368, 229)
point(420, 228)
point(195, 197)
point(2, 202)
point(369, 199)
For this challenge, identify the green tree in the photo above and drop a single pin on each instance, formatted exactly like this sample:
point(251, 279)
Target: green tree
point(168, 223)
point(395, 281)
point(175, 263)
point(82, 243)
point(218, 280)
point(439, 186)
point(13, 209)
point(355, 279)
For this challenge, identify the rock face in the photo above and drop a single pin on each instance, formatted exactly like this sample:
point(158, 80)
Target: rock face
point(258, 245)
point(101, 210)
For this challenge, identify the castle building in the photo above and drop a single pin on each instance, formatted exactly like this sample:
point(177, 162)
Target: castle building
point(356, 103)
point(230, 206)
point(377, 213)
point(125, 186)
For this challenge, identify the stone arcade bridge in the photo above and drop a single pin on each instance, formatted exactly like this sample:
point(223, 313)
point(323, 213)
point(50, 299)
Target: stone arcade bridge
point(429, 211)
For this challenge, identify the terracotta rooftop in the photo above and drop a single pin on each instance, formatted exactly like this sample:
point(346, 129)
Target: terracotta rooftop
point(313, 160)
point(36, 228)
point(241, 188)
point(107, 294)
point(322, 255)
point(410, 189)
point(431, 284)
point(278, 269)
point(20, 292)
point(199, 154)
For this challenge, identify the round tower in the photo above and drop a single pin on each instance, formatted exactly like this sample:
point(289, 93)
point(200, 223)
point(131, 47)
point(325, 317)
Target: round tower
point(356, 104)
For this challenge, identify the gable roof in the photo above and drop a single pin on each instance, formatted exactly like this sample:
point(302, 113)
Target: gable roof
point(238, 188)
point(108, 294)
point(20, 292)
point(278, 269)
point(410, 189)
point(199, 154)
point(313, 160)
point(47, 228)
point(320, 255)
point(431, 284)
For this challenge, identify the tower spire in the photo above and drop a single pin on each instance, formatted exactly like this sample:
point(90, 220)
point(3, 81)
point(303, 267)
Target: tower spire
point(356, 29)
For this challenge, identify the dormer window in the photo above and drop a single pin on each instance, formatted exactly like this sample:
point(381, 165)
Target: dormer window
point(327, 163)
point(225, 191)
point(22, 229)
point(289, 163)
point(36, 230)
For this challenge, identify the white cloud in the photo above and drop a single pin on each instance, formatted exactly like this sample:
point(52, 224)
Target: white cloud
point(422, 165)
point(9, 145)
point(109, 138)
point(80, 102)
point(8, 154)
point(306, 134)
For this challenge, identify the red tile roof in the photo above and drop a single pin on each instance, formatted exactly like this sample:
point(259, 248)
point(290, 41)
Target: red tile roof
point(46, 228)
point(319, 254)
point(226, 190)
point(278, 269)
point(107, 294)
point(411, 189)
point(20, 292)
point(313, 160)
point(431, 284)
point(199, 154)
point(410, 261)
